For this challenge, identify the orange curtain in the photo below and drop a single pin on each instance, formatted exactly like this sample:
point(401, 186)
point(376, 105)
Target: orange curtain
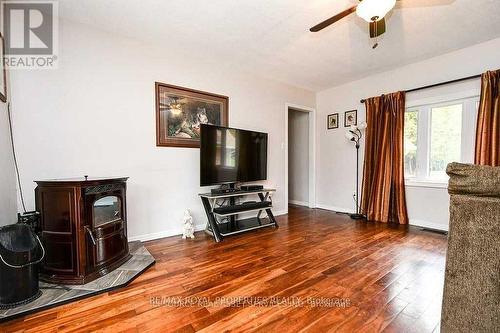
point(488, 121)
point(383, 193)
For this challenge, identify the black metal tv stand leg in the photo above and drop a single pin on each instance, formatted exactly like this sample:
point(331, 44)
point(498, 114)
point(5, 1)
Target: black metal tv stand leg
point(232, 218)
point(268, 211)
point(232, 202)
point(211, 219)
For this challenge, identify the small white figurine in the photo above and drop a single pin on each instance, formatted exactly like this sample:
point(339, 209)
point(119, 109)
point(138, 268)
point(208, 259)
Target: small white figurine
point(188, 225)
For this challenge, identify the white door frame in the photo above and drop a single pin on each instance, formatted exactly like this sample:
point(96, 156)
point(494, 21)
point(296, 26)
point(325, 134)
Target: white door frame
point(312, 151)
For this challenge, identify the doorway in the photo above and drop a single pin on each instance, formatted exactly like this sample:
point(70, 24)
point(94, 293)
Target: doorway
point(299, 156)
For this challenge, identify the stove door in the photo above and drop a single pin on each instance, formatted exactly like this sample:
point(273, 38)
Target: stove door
point(107, 210)
point(106, 241)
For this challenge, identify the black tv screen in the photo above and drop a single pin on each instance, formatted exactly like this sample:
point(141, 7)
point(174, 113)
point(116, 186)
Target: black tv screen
point(230, 155)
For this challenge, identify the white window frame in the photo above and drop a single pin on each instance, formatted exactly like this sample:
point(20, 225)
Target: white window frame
point(424, 108)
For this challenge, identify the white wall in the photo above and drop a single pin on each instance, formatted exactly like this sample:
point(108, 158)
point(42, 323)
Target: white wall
point(336, 157)
point(298, 157)
point(8, 207)
point(95, 115)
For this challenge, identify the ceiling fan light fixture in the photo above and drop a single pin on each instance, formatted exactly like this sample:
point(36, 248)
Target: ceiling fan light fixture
point(374, 10)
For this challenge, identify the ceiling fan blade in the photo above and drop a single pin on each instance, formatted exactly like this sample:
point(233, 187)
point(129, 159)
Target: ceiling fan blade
point(377, 28)
point(422, 3)
point(333, 19)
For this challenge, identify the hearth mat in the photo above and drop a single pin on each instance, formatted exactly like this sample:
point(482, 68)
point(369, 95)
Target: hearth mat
point(57, 294)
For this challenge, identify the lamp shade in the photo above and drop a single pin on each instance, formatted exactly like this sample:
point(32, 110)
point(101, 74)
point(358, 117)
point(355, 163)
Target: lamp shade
point(349, 136)
point(370, 10)
point(363, 125)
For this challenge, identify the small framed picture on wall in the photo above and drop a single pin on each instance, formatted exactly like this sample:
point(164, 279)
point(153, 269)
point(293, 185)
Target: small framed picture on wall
point(350, 118)
point(333, 121)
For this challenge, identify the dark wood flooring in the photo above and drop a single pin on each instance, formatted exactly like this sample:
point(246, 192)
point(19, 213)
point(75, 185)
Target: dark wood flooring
point(384, 278)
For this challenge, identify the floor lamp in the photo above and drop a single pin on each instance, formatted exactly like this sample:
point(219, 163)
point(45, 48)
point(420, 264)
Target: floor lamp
point(354, 134)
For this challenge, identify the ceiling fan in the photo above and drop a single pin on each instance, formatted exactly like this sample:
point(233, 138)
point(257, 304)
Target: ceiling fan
point(372, 11)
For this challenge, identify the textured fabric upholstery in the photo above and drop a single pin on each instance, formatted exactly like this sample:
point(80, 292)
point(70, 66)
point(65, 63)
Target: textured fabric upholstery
point(471, 301)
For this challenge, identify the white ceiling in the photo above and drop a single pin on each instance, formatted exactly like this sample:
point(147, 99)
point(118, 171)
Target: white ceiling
point(271, 37)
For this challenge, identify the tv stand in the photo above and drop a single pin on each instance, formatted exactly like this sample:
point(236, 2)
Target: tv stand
point(222, 219)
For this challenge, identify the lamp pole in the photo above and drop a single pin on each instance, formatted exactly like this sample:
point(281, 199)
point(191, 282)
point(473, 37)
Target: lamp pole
point(354, 134)
point(357, 216)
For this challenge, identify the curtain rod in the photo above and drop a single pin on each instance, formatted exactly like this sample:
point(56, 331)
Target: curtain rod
point(439, 84)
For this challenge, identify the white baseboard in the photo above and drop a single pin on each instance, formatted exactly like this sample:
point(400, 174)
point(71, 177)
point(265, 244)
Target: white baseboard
point(429, 225)
point(178, 232)
point(298, 203)
point(281, 212)
point(163, 234)
point(413, 222)
point(335, 208)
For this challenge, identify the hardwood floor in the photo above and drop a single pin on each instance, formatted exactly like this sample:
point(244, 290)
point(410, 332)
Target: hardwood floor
point(384, 278)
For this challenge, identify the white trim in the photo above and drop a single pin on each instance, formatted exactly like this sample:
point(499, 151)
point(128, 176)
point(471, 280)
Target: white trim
point(178, 232)
point(163, 234)
point(413, 222)
point(312, 152)
point(298, 203)
point(424, 124)
point(335, 209)
point(281, 212)
point(299, 107)
point(429, 225)
point(444, 99)
point(426, 184)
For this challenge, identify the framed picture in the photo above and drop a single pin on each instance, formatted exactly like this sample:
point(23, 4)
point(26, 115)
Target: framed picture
point(350, 118)
point(180, 112)
point(3, 80)
point(333, 121)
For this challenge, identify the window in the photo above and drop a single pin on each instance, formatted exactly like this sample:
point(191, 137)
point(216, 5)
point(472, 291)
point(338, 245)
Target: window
point(445, 139)
point(410, 142)
point(438, 134)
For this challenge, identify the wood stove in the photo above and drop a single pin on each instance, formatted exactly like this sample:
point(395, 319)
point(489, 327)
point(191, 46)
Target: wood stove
point(83, 227)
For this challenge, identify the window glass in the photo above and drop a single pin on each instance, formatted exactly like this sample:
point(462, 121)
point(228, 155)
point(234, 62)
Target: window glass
point(445, 138)
point(410, 143)
point(436, 134)
point(107, 210)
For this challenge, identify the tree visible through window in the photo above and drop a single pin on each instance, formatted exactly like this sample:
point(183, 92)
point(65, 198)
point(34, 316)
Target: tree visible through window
point(446, 134)
point(410, 143)
point(436, 135)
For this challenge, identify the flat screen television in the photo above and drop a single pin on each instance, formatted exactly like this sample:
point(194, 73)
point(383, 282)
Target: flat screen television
point(230, 155)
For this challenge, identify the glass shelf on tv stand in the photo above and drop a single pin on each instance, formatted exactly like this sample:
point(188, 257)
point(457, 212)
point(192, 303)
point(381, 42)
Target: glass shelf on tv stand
point(231, 226)
point(243, 211)
point(241, 226)
point(238, 193)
